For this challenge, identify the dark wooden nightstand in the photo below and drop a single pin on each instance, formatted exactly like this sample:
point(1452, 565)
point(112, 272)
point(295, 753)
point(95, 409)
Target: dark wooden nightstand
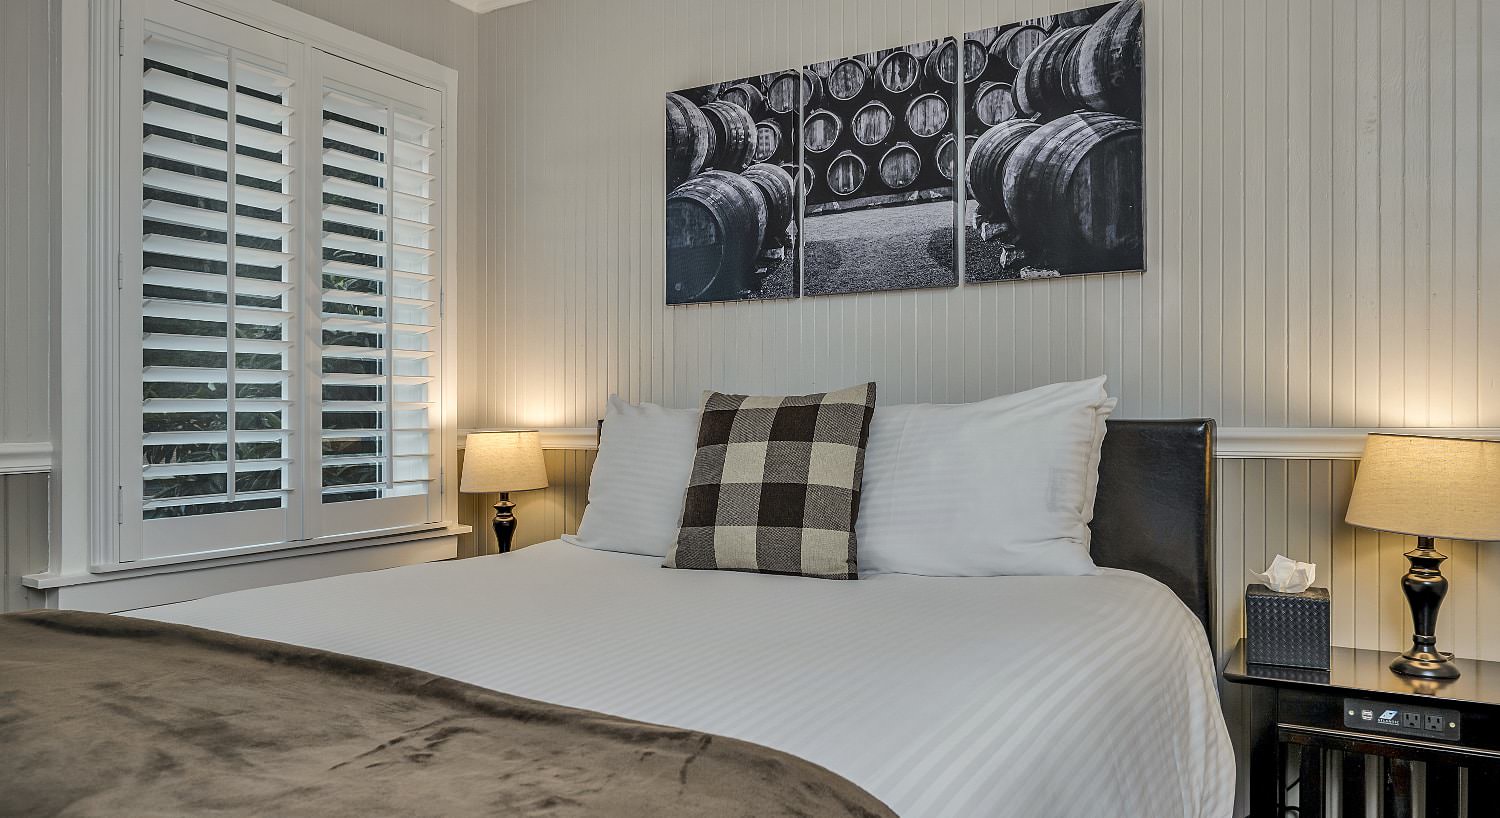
point(1439, 740)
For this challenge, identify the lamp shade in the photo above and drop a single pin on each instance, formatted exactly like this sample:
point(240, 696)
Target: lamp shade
point(503, 461)
point(1429, 486)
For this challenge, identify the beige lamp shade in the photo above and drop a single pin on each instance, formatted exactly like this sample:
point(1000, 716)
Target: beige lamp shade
point(1429, 486)
point(503, 461)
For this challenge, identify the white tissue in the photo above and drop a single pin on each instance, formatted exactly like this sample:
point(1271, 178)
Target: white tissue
point(1287, 575)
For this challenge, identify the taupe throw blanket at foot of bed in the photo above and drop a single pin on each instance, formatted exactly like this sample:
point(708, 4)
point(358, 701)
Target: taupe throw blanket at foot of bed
point(106, 715)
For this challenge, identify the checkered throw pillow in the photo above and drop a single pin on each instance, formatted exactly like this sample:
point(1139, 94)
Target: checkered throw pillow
point(775, 485)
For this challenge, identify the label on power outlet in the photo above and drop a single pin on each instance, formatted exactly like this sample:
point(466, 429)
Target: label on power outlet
point(1408, 720)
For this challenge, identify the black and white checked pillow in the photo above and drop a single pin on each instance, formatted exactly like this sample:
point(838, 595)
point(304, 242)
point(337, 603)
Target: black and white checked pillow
point(775, 484)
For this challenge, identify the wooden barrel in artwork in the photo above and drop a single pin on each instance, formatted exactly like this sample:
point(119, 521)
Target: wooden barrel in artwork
point(814, 94)
point(1039, 82)
point(940, 66)
point(872, 124)
point(946, 155)
point(1073, 188)
point(1079, 17)
point(779, 191)
point(927, 116)
point(821, 131)
point(993, 103)
point(734, 134)
point(900, 166)
point(849, 81)
point(746, 96)
point(703, 94)
point(770, 142)
point(987, 158)
point(781, 94)
point(921, 49)
point(897, 73)
point(1011, 48)
point(690, 140)
point(846, 174)
point(802, 175)
point(1103, 72)
point(1046, 22)
point(976, 60)
point(716, 223)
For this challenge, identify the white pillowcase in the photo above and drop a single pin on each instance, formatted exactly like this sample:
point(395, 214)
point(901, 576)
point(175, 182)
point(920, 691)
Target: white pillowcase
point(640, 479)
point(1002, 486)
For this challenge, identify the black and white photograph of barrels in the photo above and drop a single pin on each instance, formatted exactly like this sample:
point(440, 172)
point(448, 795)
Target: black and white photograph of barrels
point(878, 136)
point(1056, 171)
point(731, 190)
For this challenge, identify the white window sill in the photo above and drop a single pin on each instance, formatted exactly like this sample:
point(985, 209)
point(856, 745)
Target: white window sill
point(48, 580)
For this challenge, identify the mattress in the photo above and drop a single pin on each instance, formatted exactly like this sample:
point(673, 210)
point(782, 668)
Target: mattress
point(941, 696)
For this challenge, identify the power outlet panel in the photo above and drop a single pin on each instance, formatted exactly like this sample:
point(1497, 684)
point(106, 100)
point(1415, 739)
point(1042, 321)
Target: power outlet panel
point(1408, 720)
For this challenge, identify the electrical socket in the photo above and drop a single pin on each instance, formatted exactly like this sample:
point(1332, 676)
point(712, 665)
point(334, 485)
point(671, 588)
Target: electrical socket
point(1411, 720)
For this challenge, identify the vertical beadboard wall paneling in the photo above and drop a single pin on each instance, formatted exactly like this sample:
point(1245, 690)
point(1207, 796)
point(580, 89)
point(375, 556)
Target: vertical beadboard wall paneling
point(28, 86)
point(1296, 507)
point(546, 513)
point(28, 247)
point(1324, 251)
point(23, 538)
point(543, 514)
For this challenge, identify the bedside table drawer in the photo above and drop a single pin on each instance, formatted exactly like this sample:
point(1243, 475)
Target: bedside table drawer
point(1300, 725)
point(1475, 732)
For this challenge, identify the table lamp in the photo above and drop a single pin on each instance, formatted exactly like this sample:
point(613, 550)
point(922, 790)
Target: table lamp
point(1427, 487)
point(503, 462)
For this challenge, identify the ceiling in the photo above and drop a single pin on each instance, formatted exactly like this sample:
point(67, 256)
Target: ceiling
point(482, 6)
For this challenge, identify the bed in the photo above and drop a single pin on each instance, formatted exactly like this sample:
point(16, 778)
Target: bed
point(957, 696)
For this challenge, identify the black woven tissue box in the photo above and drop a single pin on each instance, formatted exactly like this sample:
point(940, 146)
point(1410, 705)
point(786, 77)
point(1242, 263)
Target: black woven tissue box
point(1290, 630)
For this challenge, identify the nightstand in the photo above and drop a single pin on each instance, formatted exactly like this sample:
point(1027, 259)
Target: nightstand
point(1439, 740)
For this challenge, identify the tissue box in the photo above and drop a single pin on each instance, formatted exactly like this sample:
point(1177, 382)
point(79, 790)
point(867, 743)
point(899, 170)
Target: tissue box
point(1290, 630)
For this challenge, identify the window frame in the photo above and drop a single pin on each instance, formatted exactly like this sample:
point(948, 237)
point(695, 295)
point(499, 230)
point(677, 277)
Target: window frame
point(109, 298)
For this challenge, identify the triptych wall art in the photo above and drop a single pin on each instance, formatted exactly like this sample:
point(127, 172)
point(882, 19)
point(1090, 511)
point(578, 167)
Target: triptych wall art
point(859, 174)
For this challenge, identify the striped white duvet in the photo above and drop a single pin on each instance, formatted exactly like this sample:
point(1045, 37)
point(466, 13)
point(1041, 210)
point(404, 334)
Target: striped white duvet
point(1006, 696)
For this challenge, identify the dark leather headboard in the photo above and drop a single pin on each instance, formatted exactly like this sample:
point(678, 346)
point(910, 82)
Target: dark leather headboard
point(1154, 512)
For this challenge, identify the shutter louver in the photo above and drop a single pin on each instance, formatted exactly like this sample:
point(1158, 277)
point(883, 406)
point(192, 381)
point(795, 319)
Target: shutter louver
point(379, 300)
point(216, 282)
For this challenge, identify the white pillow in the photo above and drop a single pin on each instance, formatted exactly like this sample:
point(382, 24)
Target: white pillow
point(1002, 486)
point(1100, 416)
point(640, 479)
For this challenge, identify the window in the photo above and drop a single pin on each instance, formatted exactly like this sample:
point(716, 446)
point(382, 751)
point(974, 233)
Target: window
point(281, 285)
point(379, 299)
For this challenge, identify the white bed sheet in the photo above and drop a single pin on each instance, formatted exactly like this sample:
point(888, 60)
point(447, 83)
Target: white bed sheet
point(941, 696)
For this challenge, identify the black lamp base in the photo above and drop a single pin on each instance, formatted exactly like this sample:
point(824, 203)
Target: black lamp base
point(1425, 586)
point(505, 522)
point(1437, 665)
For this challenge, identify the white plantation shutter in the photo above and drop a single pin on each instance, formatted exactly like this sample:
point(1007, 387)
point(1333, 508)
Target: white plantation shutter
point(214, 324)
point(279, 291)
point(379, 297)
